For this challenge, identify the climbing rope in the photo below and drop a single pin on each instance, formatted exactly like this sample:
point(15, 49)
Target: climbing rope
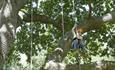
point(62, 23)
point(31, 40)
point(74, 12)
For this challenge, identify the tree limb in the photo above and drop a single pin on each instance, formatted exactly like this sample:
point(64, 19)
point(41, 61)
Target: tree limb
point(97, 22)
point(103, 65)
point(36, 18)
point(41, 18)
point(87, 25)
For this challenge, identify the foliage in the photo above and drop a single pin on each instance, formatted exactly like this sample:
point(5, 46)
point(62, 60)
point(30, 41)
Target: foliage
point(37, 36)
point(37, 62)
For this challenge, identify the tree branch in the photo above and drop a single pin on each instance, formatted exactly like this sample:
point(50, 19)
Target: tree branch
point(36, 18)
point(97, 22)
point(41, 18)
point(103, 65)
point(87, 25)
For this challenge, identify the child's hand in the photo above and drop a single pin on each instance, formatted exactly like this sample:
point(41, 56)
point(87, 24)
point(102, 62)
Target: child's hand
point(78, 34)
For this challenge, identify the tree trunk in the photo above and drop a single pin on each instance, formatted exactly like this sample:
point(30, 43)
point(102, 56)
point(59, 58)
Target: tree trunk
point(8, 23)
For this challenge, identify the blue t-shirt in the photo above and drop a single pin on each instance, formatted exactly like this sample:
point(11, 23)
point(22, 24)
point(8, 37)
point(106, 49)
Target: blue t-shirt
point(76, 43)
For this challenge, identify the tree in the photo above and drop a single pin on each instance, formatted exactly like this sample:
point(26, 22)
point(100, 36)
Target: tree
point(49, 14)
point(8, 12)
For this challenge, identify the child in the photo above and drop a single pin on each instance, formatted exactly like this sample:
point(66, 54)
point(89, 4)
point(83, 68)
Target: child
point(77, 41)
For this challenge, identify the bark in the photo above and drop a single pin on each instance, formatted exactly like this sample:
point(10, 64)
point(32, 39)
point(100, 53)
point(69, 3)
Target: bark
point(8, 23)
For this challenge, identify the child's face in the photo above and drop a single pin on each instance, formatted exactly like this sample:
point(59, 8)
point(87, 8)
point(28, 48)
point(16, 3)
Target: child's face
point(78, 31)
